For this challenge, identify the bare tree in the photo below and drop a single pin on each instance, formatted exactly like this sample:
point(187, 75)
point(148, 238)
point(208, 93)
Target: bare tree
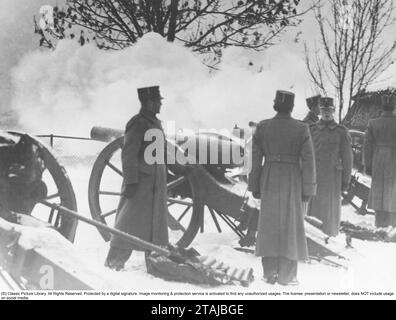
point(206, 26)
point(351, 53)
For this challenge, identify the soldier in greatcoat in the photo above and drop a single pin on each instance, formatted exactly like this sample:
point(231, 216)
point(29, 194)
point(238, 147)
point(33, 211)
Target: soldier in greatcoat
point(380, 163)
point(285, 181)
point(142, 210)
point(313, 104)
point(334, 160)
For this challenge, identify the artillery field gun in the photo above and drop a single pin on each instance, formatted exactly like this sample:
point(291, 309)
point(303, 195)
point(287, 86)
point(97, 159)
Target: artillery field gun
point(33, 182)
point(30, 173)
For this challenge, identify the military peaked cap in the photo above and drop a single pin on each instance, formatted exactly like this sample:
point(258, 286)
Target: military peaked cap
point(149, 93)
point(327, 102)
point(284, 97)
point(313, 101)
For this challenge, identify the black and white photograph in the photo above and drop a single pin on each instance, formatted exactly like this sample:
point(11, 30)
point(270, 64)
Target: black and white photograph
point(197, 150)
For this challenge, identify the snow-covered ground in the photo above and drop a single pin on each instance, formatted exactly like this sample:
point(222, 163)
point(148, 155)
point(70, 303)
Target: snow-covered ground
point(371, 265)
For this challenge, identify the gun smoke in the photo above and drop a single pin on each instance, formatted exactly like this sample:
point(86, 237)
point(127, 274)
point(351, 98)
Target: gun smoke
point(73, 88)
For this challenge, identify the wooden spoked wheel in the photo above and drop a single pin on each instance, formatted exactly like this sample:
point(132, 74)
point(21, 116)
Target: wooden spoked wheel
point(60, 190)
point(185, 208)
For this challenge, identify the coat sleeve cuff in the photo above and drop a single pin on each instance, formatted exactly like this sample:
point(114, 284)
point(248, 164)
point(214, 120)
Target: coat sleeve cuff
point(309, 189)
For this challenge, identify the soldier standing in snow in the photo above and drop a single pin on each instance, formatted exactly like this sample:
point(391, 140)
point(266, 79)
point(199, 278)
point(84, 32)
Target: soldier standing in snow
point(283, 183)
point(334, 160)
point(142, 211)
point(380, 163)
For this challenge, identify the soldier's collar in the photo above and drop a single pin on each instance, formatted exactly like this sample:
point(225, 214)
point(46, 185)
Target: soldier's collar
point(282, 115)
point(149, 115)
point(329, 124)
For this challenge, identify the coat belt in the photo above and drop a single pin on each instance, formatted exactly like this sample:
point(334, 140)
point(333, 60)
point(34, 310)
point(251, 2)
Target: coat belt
point(282, 158)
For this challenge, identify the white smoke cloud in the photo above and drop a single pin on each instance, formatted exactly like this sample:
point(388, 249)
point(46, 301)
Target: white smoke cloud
point(73, 88)
point(16, 38)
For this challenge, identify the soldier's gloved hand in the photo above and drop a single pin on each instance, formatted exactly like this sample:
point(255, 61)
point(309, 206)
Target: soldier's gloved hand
point(344, 186)
point(256, 195)
point(129, 191)
point(305, 198)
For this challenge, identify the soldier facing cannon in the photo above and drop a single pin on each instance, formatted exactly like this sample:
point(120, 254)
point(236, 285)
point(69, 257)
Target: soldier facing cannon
point(142, 210)
point(283, 183)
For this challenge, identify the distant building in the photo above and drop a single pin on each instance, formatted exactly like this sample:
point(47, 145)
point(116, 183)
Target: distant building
point(366, 106)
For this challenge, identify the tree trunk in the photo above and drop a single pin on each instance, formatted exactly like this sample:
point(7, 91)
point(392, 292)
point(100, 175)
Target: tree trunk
point(157, 17)
point(341, 105)
point(172, 21)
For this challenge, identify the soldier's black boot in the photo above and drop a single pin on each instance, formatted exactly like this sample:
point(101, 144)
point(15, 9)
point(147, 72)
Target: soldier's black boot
point(287, 272)
point(117, 257)
point(270, 269)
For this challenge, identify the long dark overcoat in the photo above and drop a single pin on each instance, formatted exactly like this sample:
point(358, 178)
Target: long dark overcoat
point(145, 214)
point(380, 158)
point(288, 172)
point(334, 161)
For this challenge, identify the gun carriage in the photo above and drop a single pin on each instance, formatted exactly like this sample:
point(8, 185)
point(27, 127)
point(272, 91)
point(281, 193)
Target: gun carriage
point(31, 173)
point(191, 186)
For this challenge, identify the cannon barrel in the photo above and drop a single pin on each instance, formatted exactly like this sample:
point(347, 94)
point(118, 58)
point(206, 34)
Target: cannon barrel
point(206, 147)
point(105, 134)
